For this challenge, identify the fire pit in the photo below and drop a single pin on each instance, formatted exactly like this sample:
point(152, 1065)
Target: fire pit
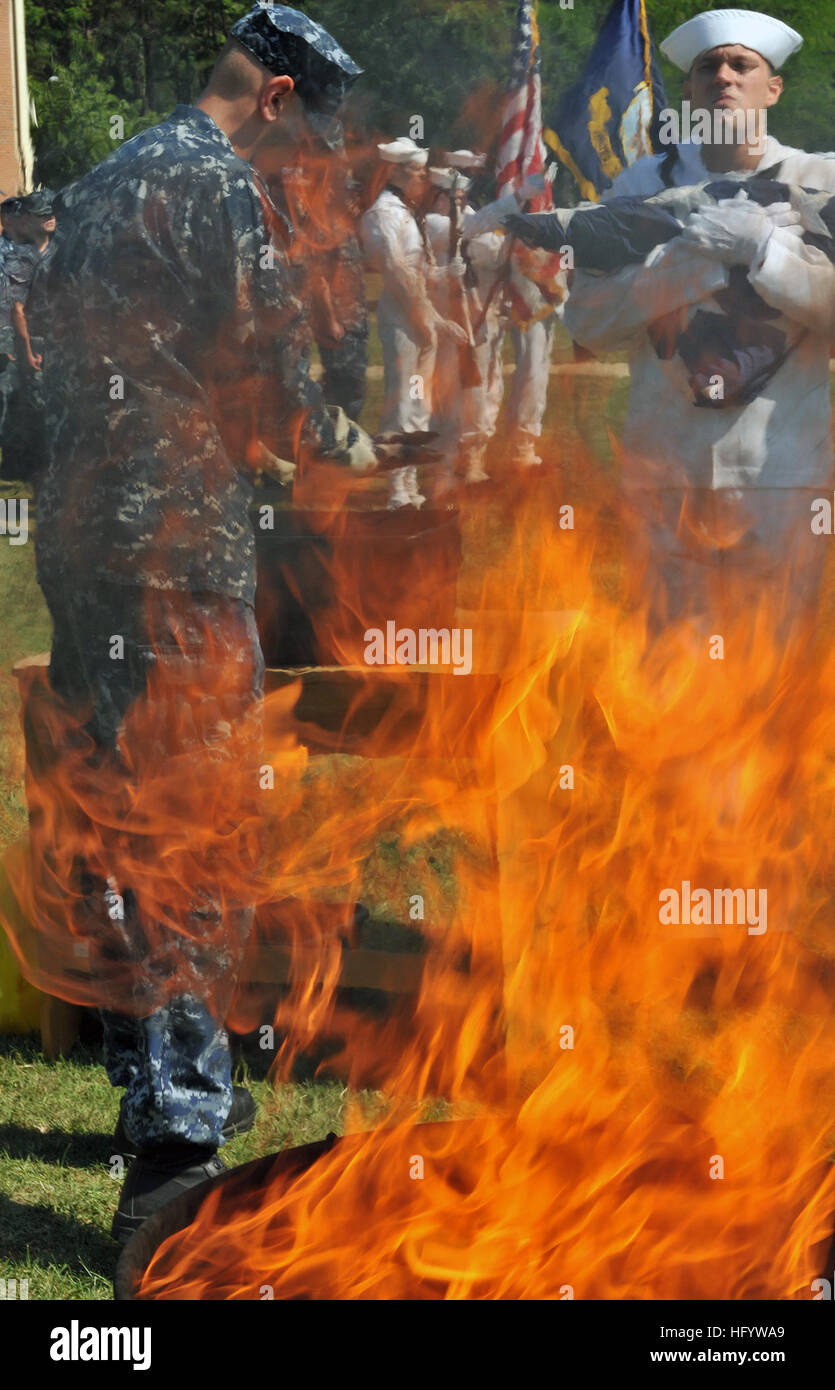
point(480, 1208)
point(233, 1188)
point(259, 1202)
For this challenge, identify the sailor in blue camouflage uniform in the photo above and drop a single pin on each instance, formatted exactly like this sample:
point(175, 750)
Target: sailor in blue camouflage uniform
point(9, 246)
point(342, 329)
point(175, 372)
point(329, 266)
point(23, 440)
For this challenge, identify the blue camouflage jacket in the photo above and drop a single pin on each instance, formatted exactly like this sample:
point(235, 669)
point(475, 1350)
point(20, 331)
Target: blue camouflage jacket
point(174, 342)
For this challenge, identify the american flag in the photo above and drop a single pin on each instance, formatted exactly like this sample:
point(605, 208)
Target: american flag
point(534, 281)
point(521, 150)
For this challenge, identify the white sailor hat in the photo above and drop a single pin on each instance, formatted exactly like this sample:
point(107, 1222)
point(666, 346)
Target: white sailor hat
point(449, 178)
point(404, 151)
point(465, 159)
point(761, 32)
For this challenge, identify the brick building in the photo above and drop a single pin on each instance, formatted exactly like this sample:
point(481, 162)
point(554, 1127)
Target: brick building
point(15, 142)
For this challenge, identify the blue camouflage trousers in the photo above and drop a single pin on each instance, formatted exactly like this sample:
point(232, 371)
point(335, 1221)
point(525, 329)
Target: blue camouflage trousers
point(172, 1057)
point(344, 368)
point(22, 418)
point(8, 388)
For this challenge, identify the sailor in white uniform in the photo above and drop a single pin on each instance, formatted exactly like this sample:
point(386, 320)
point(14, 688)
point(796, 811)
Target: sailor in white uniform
point(463, 414)
point(407, 322)
point(447, 391)
point(729, 488)
point(486, 254)
point(532, 329)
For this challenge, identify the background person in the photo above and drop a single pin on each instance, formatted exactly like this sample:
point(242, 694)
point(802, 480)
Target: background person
point(24, 443)
point(10, 238)
point(341, 326)
point(725, 485)
point(407, 323)
point(532, 329)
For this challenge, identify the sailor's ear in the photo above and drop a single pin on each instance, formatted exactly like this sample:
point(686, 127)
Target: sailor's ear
point(686, 88)
point(273, 95)
point(775, 89)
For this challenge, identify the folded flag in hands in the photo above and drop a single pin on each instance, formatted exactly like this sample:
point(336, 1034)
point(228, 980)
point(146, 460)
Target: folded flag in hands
point(740, 339)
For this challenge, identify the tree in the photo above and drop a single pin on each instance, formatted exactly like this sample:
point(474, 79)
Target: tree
point(75, 107)
point(446, 60)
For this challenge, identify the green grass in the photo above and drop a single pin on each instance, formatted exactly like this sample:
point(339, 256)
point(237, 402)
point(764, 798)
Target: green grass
point(57, 1195)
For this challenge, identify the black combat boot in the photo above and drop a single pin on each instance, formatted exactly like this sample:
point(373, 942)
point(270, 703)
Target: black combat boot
point(157, 1177)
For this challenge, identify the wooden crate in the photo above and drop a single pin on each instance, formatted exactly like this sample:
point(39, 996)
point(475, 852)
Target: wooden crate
point(339, 709)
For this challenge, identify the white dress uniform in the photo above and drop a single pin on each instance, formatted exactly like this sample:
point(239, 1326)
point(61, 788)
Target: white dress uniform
point(393, 247)
point(532, 344)
point(729, 489)
point(465, 418)
point(487, 254)
point(446, 389)
point(532, 347)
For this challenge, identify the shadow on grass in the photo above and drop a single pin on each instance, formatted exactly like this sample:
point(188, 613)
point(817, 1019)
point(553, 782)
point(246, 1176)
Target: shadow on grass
point(46, 1237)
point(26, 1048)
point(86, 1150)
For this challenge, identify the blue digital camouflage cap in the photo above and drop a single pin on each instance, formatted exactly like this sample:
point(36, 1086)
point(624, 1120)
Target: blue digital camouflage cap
point(289, 43)
point(39, 204)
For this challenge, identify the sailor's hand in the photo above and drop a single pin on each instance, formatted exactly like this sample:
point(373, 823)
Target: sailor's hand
point(425, 335)
point(391, 455)
point(332, 333)
point(453, 270)
point(280, 470)
point(736, 231)
point(351, 446)
point(533, 186)
point(397, 450)
point(781, 214)
point(453, 330)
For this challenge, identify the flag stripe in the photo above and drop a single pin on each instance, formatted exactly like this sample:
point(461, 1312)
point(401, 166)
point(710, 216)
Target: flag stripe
point(520, 146)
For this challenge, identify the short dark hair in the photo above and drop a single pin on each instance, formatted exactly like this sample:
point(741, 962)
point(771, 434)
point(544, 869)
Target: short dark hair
point(235, 74)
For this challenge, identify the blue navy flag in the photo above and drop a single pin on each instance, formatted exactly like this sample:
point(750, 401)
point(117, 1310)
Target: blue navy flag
point(610, 117)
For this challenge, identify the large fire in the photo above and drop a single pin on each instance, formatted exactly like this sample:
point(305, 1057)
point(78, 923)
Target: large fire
point(642, 1106)
point(649, 1105)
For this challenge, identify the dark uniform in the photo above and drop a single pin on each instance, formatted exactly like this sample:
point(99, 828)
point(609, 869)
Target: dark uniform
point(23, 439)
point(175, 346)
point(8, 364)
point(329, 271)
point(344, 364)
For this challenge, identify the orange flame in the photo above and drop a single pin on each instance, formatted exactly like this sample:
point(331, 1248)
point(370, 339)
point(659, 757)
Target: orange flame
point(654, 1102)
point(643, 1109)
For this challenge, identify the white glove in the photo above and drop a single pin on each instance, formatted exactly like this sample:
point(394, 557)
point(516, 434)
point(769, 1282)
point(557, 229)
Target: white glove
point(488, 218)
point(736, 231)
point(453, 270)
point(436, 274)
point(532, 187)
point(280, 470)
point(356, 447)
point(453, 330)
point(784, 215)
